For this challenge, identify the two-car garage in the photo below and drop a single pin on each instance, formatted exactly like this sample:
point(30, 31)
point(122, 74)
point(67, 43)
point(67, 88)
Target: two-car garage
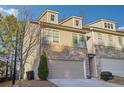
point(116, 66)
point(61, 69)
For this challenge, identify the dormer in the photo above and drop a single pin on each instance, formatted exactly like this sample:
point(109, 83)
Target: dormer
point(73, 21)
point(49, 16)
point(104, 24)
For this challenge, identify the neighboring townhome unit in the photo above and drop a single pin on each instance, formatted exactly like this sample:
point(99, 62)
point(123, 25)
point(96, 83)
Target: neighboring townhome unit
point(64, 44)
point(105, 47)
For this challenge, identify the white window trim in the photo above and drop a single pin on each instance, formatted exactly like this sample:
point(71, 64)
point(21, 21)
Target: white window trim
point(53, 30)
point(59, 35)
point(110, 40)
point(78, 36)
point(100, 40)
point(51, 16)
point(120, 44)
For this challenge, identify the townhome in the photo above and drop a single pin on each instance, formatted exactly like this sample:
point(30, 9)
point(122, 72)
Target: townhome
point(105, 47)
point(75, 51)
point(64, 44)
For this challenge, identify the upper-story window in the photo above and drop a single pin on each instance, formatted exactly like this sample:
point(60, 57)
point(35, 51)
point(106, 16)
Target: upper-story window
point(120, 41)
point(75, 39)
point(100, 41)
point(108, 25)
point(52, 17)
point(81, 41)
point(77, 22)
point(110, 40)
point(78, 40)
point(105, 25)
point(111, 26)
point(51, 36)
point(56, 36)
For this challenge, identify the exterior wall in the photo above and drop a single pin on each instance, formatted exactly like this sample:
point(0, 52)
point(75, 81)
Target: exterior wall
point(107, 52)
point(65, 36)
point(71, 23)
point(64, 50)
point(104, 50)
point(46, 17)
point(90, 42)
point(105, 38)
point(67, 53)
point(100, 24)
point(56, 18)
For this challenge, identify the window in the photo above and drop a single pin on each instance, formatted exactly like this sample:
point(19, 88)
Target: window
point(78, 40)
point(111, 26)
point(110, 40)
point(51, 36)
point(77, 22)
point(81, 41)
point(105, 25)
point(75, 39)
point(52, 17)
point(108, 25)
point(55, 36)
point(100, 41)
point(120, 41)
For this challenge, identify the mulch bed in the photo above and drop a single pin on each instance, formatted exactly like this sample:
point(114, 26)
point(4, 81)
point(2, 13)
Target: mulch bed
point(117, 80)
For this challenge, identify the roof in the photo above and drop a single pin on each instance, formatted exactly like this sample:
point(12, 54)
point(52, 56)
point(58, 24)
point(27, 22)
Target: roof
point(52, 11)
point(59, 26)
point(77, 17)
point(99, 21)
point(96, 29)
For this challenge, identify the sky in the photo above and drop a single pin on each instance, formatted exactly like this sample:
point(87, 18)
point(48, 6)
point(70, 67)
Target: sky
point(90, 13)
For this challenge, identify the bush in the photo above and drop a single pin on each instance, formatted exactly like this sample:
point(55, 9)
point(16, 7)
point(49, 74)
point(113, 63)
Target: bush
point(106, 75)
point(43, 67)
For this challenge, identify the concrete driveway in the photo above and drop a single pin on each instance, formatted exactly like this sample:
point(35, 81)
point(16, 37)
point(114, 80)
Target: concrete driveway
point(82, 83)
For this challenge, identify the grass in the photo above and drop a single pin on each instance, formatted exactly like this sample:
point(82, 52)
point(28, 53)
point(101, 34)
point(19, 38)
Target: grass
point(117, 80)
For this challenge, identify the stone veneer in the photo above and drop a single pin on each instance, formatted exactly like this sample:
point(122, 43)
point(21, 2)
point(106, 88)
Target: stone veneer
point(67, 53)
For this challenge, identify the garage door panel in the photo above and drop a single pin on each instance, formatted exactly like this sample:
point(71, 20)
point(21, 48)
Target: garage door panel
point(116, 66)
point(65, 69)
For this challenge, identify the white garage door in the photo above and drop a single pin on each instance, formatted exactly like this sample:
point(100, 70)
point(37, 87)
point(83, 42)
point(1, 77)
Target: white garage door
point(116, 66)
point(65, 69)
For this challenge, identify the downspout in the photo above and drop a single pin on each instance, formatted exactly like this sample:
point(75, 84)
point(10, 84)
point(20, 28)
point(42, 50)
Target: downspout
point(94, 52)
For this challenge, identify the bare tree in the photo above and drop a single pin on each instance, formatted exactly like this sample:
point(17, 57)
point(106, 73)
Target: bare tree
point(27, 39)
point(83, 16)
